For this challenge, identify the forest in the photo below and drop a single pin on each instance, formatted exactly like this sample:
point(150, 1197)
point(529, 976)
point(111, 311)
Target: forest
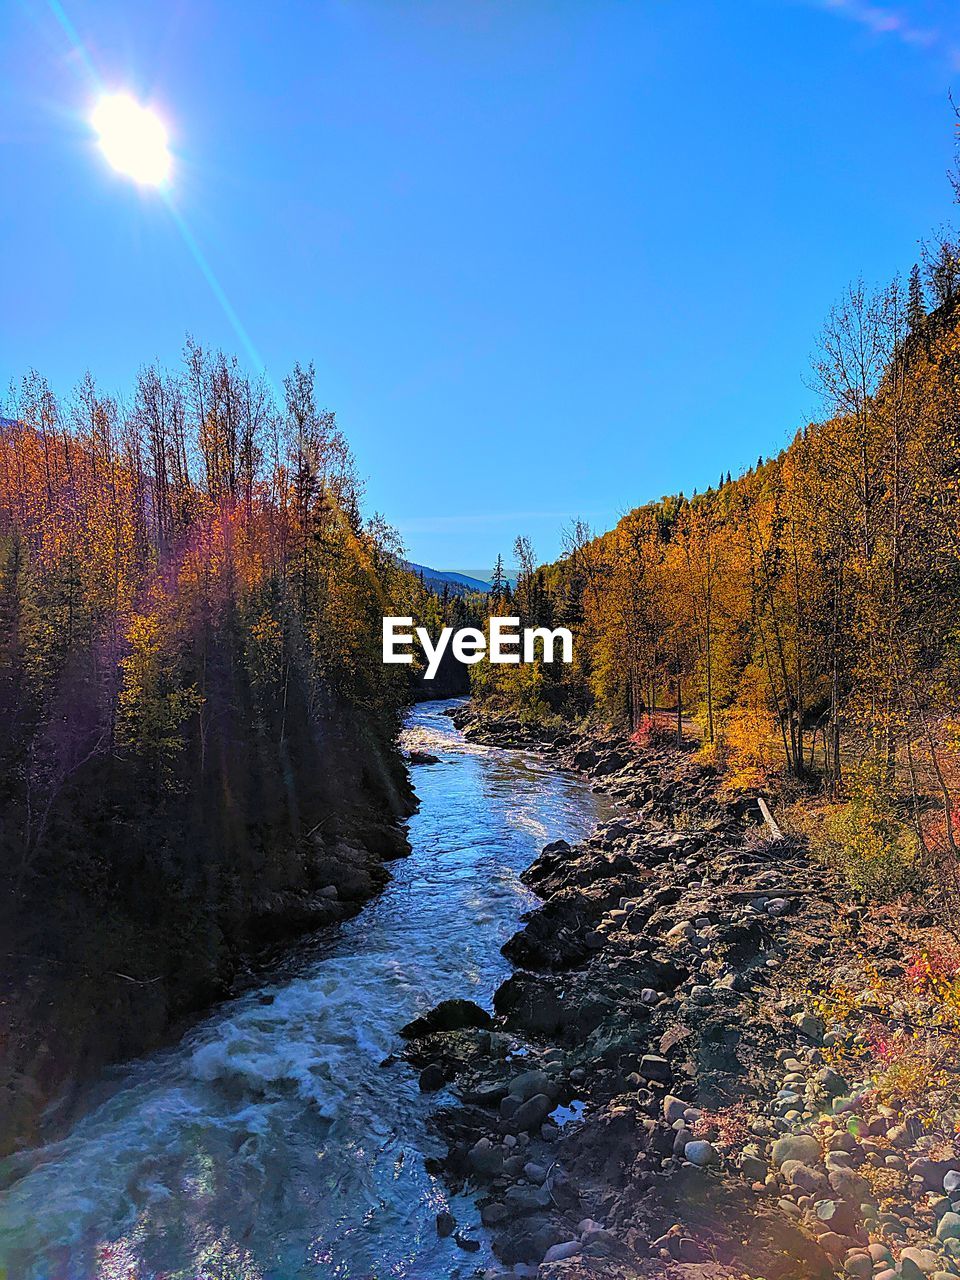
point(799, 622)
point(197, 735)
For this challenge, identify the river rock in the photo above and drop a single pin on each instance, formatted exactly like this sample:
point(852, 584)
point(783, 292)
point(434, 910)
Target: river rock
point(682, 932)
point(509, 1107)
point(560, 1252)
point(531, 1083)
point(796, 1146)
point(530, 1002)
point(493, 1213)
point(859, 1265)
point(532, 1113)
point(485, 1159)
point(522, 1199)
point(753, 1167)
point(916, 1264)
point(653, 1067)
point(850, 1186)
point(700, 1153)
point(448, 1015)
point(809, 1026)
point(803, 1176)
point(831, 1083)
point(673, 1108)
point(432, 1077)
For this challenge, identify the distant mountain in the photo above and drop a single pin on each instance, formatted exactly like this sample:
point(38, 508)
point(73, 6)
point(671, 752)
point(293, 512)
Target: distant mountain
point(459, 583)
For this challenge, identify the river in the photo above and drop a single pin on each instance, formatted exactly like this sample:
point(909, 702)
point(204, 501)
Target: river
point(272, 1143)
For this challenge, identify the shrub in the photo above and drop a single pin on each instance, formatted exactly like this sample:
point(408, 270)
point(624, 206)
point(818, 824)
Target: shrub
point(651, 732)
point(936, 968)
point(874, 849)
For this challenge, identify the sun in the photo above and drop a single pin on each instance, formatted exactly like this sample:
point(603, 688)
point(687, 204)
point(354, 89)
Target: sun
point(133, 139)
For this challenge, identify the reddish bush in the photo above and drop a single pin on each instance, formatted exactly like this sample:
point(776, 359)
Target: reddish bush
point(651, 732)
point(938, 963)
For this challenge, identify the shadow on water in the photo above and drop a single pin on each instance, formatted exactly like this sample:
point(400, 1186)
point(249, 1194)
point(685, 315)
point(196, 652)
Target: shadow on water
point(271, 1143)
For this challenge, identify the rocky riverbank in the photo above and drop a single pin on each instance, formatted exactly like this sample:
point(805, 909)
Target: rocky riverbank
point(668, 1085)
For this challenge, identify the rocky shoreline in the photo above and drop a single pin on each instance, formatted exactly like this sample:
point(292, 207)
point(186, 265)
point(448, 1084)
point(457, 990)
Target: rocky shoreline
point(656, 1093)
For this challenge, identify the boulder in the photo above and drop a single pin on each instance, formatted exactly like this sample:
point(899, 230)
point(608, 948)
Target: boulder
point(653, 1067)
point(446, 1224)
point(448, 1015)
point(485, 1159)
point(531, 1114)
point(531, 1083)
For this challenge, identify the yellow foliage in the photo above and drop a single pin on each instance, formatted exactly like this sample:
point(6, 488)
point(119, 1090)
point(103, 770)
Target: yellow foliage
point(749, 736)
point(152, 706)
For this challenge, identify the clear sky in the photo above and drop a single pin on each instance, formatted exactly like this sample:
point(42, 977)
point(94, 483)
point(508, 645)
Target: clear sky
point(550, 259)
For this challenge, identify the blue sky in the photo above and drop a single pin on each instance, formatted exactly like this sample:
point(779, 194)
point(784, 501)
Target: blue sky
point(550, 259)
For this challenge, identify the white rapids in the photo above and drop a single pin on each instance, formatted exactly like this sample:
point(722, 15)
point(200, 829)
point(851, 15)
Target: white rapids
point(274, 1142)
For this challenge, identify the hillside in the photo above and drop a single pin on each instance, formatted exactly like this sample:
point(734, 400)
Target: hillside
point(804, 615)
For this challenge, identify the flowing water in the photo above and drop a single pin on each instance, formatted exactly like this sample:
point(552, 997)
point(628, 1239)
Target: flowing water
point(273, 1143)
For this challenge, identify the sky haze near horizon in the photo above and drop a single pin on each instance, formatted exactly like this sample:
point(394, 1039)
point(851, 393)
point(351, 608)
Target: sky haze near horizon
point(550, 260)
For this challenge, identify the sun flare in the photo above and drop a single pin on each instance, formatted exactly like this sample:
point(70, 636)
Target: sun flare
point(133, 139)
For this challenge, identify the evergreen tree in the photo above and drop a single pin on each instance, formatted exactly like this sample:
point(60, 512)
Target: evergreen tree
point(916, 310)
point(498, 583)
